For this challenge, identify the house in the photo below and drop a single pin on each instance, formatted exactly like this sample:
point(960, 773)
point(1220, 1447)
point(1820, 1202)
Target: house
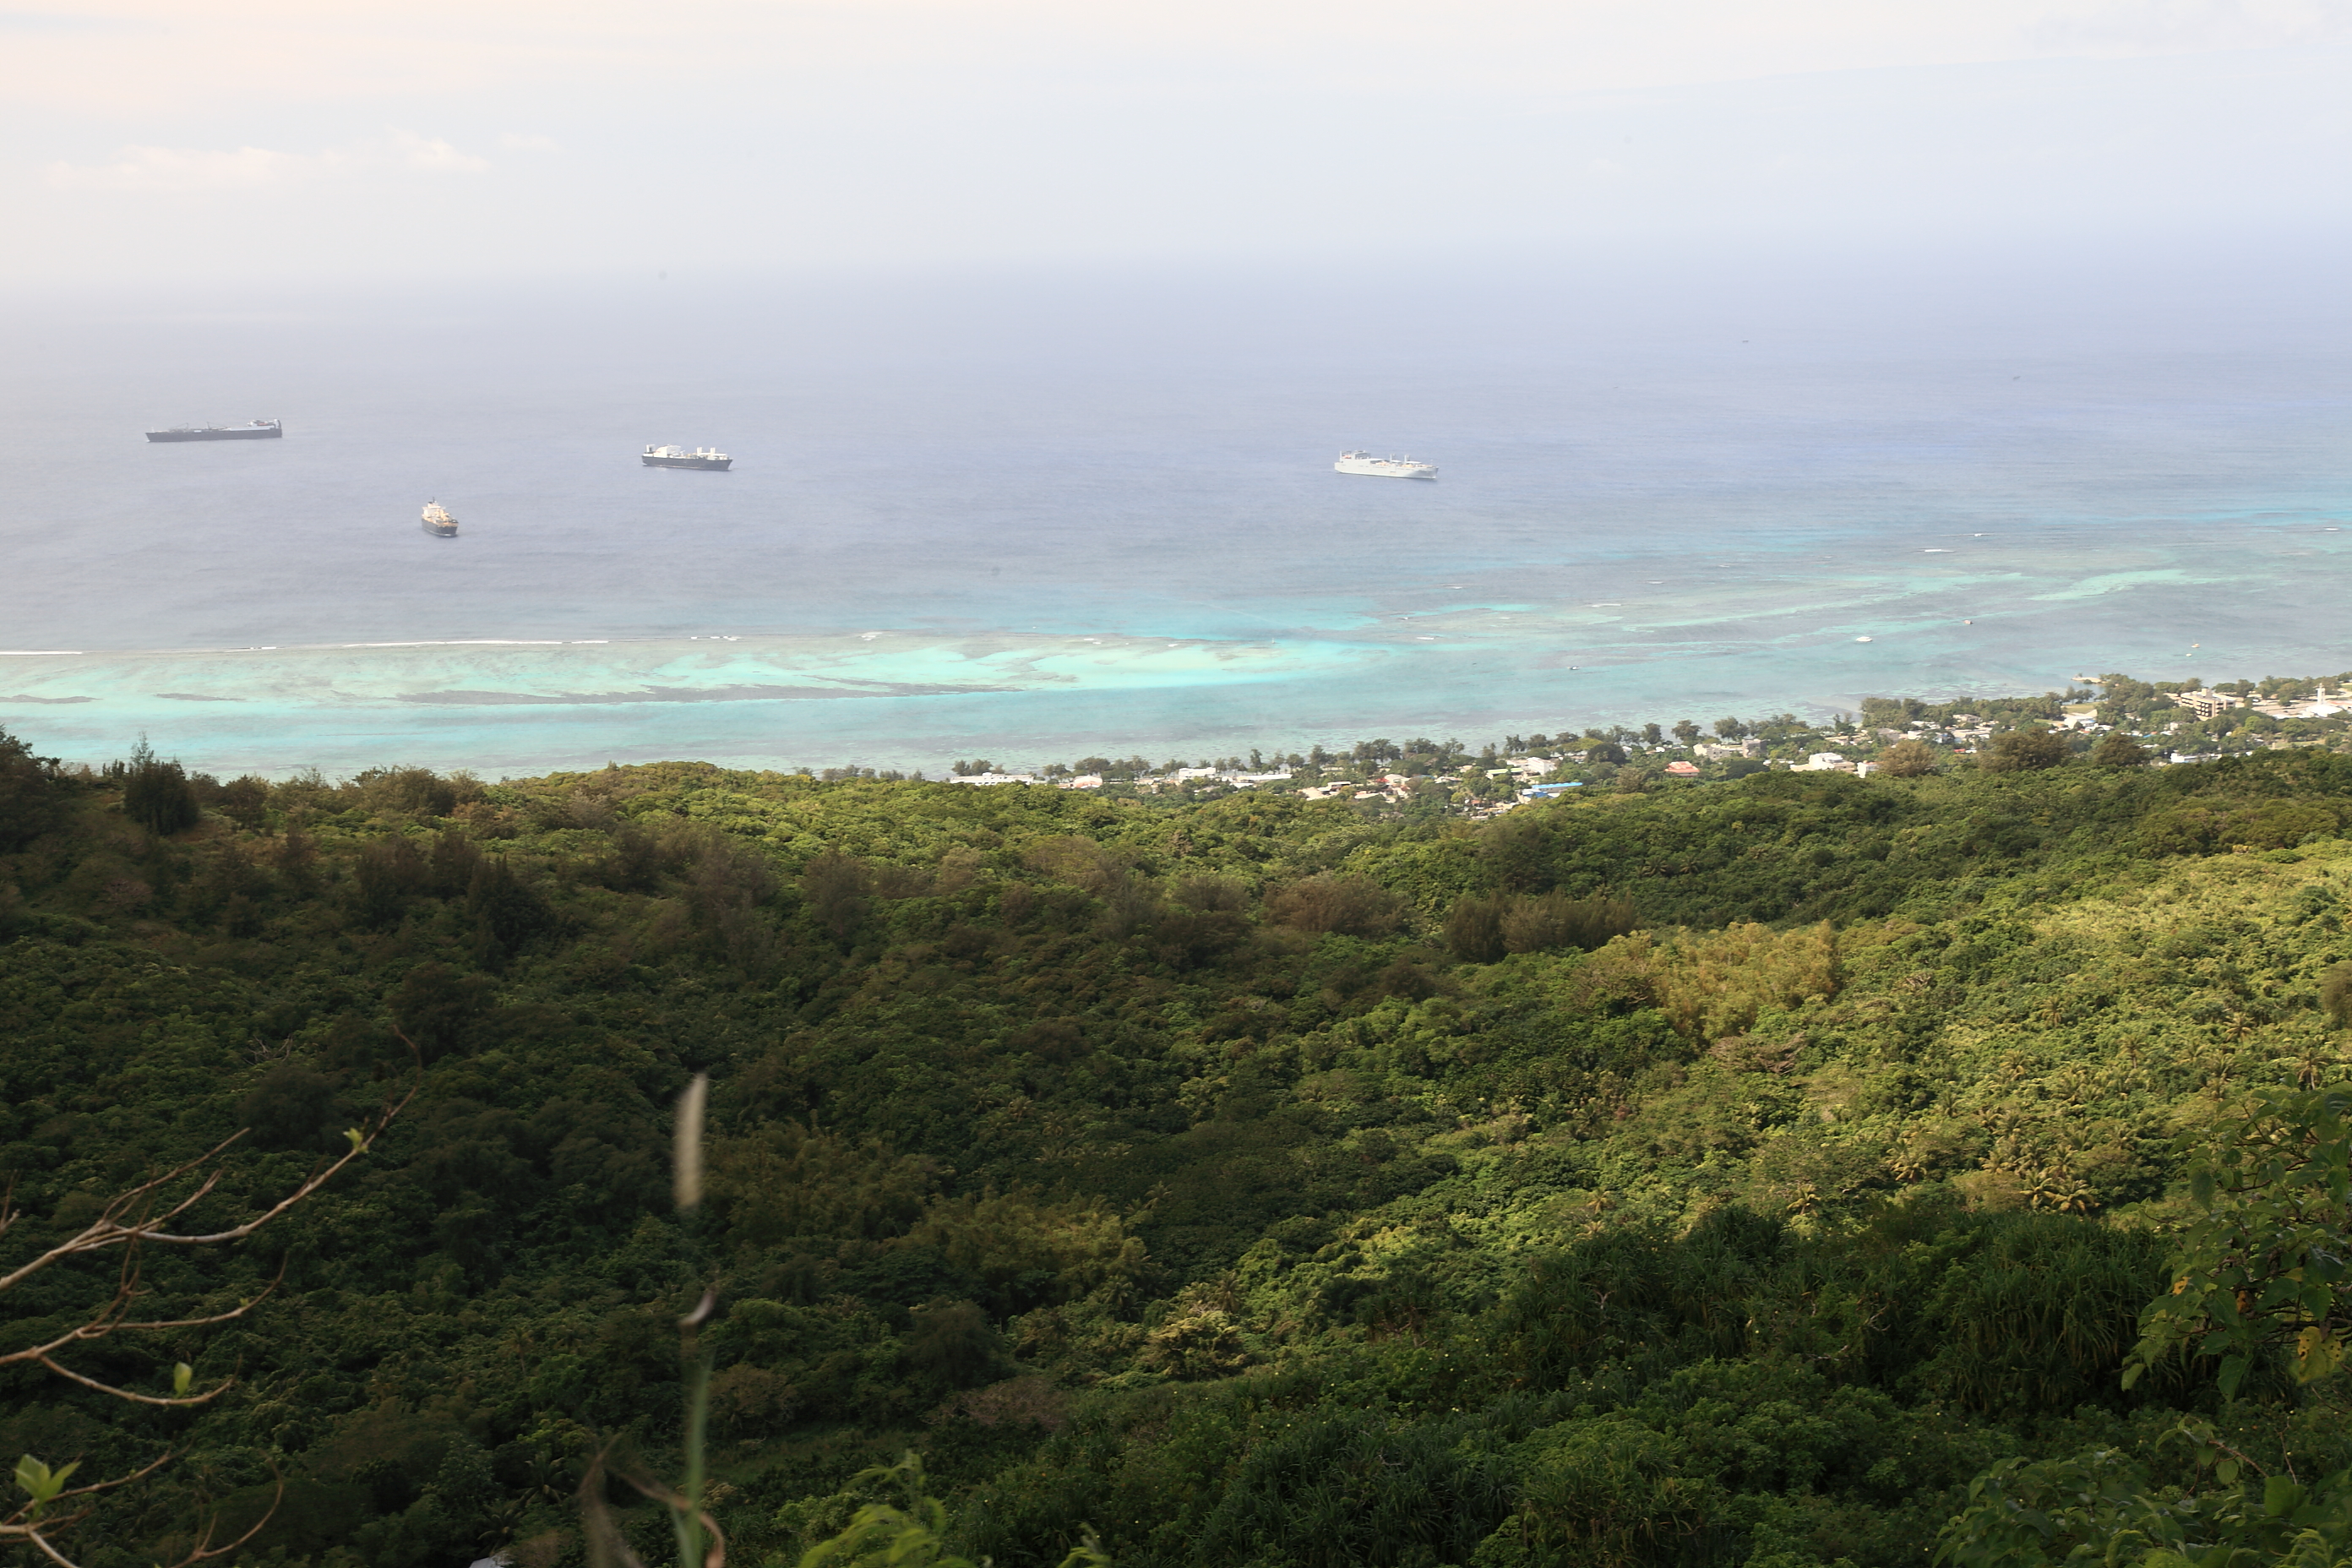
point(1682, 770)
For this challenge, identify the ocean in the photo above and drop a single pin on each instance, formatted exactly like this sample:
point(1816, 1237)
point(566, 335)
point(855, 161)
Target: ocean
point(1033, 516)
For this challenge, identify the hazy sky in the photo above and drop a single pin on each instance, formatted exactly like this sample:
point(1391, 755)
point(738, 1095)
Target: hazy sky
point(279, 141)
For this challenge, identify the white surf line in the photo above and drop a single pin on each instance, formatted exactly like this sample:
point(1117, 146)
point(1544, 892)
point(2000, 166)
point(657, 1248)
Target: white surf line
point(40, 653)
point(460, 642)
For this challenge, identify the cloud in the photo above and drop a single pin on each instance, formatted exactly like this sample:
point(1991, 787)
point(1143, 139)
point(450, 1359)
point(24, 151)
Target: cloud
point(197, 170)
point(513, 142)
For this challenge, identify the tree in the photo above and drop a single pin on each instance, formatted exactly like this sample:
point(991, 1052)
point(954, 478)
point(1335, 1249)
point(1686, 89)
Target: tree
point(2016, 751)
point(2261, 1270)
point(2117, 750)
point(1552, 921)
point(1687, 733)
point(246, 801)
point(507, 912)
point(156, 794)
point(1731, 729)
point(1351, 906)
point(1474, 929)
point(2263, 1264)
point(1907, 759)
point(440, 1009)
point(32, 793)
point(139, 1216)
point(2335, 994)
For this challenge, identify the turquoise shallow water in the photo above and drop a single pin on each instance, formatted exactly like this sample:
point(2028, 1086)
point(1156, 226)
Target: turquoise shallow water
point(1035, 522)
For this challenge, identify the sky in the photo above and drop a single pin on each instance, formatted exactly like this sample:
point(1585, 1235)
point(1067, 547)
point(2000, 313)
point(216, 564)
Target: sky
point(271, 141)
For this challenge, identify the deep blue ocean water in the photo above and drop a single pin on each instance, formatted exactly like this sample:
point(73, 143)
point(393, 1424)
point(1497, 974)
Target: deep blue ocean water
point(1034, 518)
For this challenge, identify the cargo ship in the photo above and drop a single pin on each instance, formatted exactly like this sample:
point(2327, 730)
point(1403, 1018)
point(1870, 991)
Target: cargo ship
point(681, 457)
point(1386, 468)
point(251, 430)
point(438, 523)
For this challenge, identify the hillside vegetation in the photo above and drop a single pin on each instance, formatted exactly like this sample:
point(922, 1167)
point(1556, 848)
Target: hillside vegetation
point(1722, 1173)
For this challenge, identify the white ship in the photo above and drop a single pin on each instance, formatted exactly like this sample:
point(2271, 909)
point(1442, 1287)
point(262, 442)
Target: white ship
point(438, 523)
point(681, 457)
point(1385, 468)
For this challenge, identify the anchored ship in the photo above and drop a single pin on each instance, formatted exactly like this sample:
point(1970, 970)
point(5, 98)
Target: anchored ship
point(681, 457)
point(438, 523)
point(1386, 468)
point(251, 430)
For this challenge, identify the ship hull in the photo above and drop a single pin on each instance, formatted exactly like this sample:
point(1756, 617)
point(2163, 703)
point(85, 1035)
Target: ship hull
point(717, 464)
point(232, 433)
point(1386, 471)
point(441, 529)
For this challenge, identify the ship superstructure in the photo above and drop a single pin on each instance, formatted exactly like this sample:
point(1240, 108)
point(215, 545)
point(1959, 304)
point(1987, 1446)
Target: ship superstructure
point(251, 430)
point(1385, 467)
point(685, 458)
point(438, 523)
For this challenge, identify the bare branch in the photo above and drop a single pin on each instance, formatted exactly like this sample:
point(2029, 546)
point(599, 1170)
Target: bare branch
point(606, 1546)
point(109, 1230)
point(38, 1539)
point(140, 1474)
point(108, 1321)
point(104, 1231)
point(18, 1527)
point(72, 1376)
point(203, 1549)
point(717, 1556)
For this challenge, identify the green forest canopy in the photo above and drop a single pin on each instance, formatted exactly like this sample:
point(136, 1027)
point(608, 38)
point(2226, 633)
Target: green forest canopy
point(1726, 1173)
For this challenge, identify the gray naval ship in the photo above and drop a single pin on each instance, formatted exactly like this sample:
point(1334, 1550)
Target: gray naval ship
point(251, 430)
point(681, 457)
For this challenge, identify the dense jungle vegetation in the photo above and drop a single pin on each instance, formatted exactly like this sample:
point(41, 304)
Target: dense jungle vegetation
point(1726, 1172)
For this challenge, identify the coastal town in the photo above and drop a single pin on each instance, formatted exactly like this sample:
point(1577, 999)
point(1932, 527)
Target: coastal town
point(2112, 720)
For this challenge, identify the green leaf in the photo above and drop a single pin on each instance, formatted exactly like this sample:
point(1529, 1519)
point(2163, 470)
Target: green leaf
point(41, 1483)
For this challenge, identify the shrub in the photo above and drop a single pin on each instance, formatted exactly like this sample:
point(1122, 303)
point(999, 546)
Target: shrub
point(1715, 983)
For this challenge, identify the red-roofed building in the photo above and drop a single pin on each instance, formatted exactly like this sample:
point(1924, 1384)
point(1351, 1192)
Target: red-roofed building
point(1682, 770)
